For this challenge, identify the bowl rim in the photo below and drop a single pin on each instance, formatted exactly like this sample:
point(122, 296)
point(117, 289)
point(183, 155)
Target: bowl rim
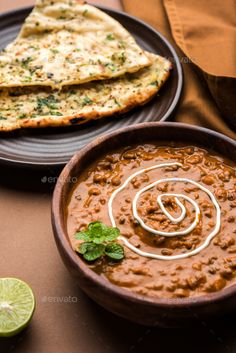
point(62, 240)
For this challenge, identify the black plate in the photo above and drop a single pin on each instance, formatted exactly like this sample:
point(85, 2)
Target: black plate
point(55, 146)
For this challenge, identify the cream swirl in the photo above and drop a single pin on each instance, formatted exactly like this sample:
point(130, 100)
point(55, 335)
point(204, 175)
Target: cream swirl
point(167, 214)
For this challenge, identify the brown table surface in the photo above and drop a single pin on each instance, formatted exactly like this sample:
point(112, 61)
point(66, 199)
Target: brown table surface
point(66, 321)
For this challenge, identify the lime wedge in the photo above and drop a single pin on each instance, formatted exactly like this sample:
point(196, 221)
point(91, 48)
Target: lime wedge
point(17, 304)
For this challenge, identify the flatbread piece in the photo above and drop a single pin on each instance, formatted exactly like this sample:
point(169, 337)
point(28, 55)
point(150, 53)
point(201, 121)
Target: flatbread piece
point(64, 42)
point(41, 107)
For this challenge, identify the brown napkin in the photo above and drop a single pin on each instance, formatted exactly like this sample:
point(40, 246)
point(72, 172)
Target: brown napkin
point(204, 36)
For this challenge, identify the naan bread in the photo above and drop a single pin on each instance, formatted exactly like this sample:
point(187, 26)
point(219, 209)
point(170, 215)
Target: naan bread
point(64, 42)
point(41, 107)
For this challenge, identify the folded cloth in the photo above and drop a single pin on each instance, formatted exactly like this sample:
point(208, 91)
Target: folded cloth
point(204, 36)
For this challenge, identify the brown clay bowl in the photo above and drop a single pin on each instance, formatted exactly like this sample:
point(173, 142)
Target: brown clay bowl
point(137, 308)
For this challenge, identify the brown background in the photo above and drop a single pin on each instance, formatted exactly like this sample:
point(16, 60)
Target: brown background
point(28, 251)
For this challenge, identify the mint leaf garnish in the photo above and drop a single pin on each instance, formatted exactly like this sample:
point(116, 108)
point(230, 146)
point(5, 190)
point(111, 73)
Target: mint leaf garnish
point(98, 233)
point(99, 241)
point(83, 236)
point(91, 251)
point(83, 248)
point(114, 251)
point(94, 251)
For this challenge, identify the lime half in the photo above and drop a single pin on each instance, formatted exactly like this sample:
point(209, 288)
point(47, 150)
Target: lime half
point(17, 304)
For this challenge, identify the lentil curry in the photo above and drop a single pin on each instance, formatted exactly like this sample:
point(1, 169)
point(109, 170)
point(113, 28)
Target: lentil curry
point(176, 211)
